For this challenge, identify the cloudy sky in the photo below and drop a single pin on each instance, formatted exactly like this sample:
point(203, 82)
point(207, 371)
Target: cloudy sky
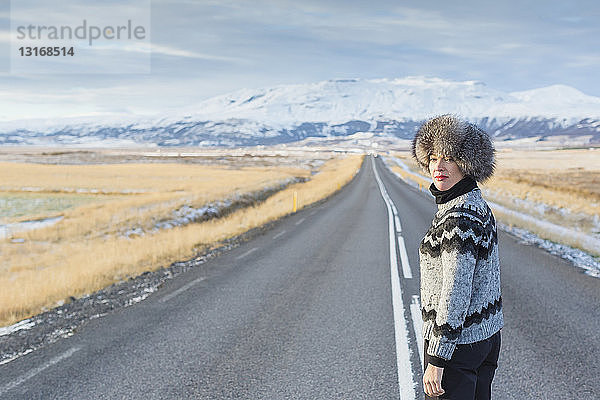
point(203, 48)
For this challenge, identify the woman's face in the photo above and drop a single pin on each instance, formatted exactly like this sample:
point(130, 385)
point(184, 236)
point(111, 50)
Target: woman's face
point(444, 172)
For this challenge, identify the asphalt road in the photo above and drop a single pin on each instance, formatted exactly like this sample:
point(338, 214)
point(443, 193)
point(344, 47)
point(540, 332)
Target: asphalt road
point(307, 311)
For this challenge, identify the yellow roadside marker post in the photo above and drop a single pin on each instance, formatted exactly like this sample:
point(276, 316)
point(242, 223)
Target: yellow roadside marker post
point(295, 201)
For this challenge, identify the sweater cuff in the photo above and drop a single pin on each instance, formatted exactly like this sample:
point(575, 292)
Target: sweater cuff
point(440, 347)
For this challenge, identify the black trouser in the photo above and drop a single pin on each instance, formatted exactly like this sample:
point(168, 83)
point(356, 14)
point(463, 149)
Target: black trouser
point(468, 375)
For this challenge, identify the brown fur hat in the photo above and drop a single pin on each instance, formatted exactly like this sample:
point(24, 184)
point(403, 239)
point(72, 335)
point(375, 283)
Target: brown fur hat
point(469, 146)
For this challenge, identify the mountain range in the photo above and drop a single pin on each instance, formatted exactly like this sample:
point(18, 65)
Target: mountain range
point(392, 108)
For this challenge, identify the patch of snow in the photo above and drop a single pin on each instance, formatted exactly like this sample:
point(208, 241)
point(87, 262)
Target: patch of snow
point(137, 299)
point(64, 333)
point(186, 214)
point(577, 257)
point(10, 229)
point(25, 324)
point(15, 356)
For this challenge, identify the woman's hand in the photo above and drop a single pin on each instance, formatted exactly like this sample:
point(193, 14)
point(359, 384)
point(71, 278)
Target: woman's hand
point(432, 381)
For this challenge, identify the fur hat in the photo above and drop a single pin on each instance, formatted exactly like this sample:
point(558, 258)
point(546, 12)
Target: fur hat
point(469, 146)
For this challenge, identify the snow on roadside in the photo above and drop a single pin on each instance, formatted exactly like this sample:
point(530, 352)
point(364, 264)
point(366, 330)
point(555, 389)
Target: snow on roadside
point(186, 214)
point(25, 324)
point(10, 229)
point(577, 257)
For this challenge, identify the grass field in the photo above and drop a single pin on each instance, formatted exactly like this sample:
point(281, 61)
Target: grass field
point(86, 251)
point(18, 206)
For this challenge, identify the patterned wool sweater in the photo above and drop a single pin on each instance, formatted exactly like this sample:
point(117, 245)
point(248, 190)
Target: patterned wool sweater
point(460, 275)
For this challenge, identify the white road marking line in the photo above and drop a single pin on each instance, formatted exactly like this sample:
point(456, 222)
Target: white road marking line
point(398, 226)
point(279, 234)
point(415, 310)
point(180, 290)
point(300, 221)
point(39, 369)
point(246, 253)
point(313, 212)
point(406, 383)
point(404, 257)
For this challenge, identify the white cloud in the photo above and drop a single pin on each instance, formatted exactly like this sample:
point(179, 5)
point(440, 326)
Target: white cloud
point(175, 52)
point(583, 60)
point(153, 48)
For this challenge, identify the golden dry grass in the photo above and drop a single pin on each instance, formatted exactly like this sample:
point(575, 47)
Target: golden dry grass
point(112, 178)
point(80, 256)
point(568, 179)
point(148, 191)
point(542, 160)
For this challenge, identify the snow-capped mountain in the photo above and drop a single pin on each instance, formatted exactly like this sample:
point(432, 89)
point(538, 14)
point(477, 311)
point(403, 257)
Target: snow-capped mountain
point(333, 108)
point(410, 98)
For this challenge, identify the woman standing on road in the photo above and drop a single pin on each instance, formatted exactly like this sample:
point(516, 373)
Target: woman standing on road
point(460, 270)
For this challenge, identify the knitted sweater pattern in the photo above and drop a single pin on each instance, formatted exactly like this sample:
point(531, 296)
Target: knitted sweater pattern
point(460, 275)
